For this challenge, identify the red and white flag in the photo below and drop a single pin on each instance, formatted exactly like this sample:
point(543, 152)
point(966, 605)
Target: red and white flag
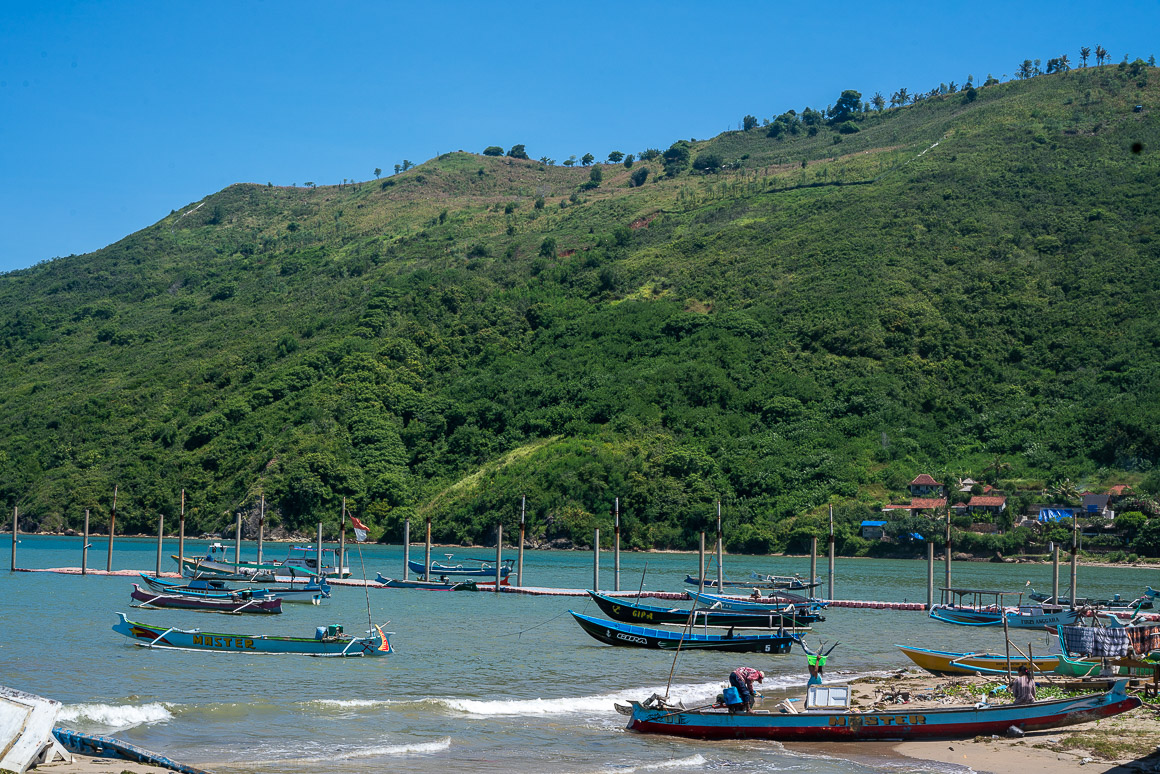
point(360, 530)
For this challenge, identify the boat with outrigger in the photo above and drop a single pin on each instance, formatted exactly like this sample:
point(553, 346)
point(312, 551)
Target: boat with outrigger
point(989, 608)
point(328, 641)
point(300, 562)
point(759, 581)
point(464, 568)
point(828, 717)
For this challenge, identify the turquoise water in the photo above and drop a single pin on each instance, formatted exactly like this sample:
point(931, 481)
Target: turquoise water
point(479, 682)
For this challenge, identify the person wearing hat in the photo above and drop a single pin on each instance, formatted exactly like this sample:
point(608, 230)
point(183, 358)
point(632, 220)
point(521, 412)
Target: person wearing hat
point(1023, 686)
point(742, 679)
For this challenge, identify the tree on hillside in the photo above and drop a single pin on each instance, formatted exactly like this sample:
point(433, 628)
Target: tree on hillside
point(901, 97)
point(407, 164)
point(708, 161)
point(1025, 70)
point(1101, 54)
point(648, 154)
point(847, 107)
point(517, 152)
point(614, 157)
point(749, 122)
point(377, 173)
point(398, 168)
point(587, 159)
point(548, 247)
point(570, 161)
point(493, 150)
point(1084, 53)
point(878, 101)
point(628, 161)
point(991, 80)
point(676, 158)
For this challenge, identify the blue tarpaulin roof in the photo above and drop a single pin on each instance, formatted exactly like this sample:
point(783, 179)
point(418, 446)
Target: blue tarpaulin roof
point(916, 536)
point(873, 524)
point(1055, 514)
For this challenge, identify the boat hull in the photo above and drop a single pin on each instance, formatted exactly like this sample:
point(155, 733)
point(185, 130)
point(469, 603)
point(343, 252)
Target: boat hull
point(149, 636)
point(622, 610)
point(311, 593)
point(763, 607)
point(945, 662)
point(254, 604)
point(459, 571)
point(622, 634)
point(465, 584)
point(839, 726)
point(966, 616)
point(787, 585)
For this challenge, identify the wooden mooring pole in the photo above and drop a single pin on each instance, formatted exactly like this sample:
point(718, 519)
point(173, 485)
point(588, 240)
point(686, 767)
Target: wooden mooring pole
point(261, 526)
point(160, 538)
point(85, 547)
point(498, 555)
point(112, 529)
point(15, 536)
point(813, 558)
point(342, 539)
point(1055, 573)
point(831, 539)
point(929, 575)
point(520, 555)
point(596, 560)
point(321, 572)
point(701, 567)
point(181, 538)
point(406, 547)
point(616, 548)
point(427, 553)
point(720, 552)
point(237, 542)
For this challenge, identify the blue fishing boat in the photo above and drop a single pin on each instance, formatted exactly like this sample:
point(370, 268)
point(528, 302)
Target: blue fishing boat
point(443, 584)
point(760, 605)
point(839, 723)
point(618, 633)
point(236, 603)
point(328, 641)
point(311, 593)
point(477, 568)
point(635, 612)
point(987, 608)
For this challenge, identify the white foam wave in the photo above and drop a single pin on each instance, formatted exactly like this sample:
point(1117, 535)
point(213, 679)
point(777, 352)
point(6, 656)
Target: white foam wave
point(352, 703)
point(414, 748)
point(677, 763)
point(119, 716)
point(692, 760)
point(572, 704)
point(692, 694)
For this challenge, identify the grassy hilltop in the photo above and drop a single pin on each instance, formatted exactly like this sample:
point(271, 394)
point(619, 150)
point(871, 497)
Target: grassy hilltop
point(779, 323)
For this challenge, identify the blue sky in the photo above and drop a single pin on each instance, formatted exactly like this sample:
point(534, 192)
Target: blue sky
point(114, 113)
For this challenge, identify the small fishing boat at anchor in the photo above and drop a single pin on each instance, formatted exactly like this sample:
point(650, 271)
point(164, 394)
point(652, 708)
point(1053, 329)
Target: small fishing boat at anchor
point(328, 641)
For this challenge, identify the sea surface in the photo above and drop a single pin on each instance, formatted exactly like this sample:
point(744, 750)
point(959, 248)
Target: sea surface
point(478, 682)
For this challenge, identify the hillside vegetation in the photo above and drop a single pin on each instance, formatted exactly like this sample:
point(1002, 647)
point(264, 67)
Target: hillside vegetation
point(795, 321)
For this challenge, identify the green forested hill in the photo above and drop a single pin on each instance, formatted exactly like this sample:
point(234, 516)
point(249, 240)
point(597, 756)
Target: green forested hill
point(779, 322)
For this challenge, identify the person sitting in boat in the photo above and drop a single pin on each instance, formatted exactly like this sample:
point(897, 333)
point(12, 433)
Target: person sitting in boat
point(1023, 686)
point(816, 661)
point(756, 595)
point(742, 679)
